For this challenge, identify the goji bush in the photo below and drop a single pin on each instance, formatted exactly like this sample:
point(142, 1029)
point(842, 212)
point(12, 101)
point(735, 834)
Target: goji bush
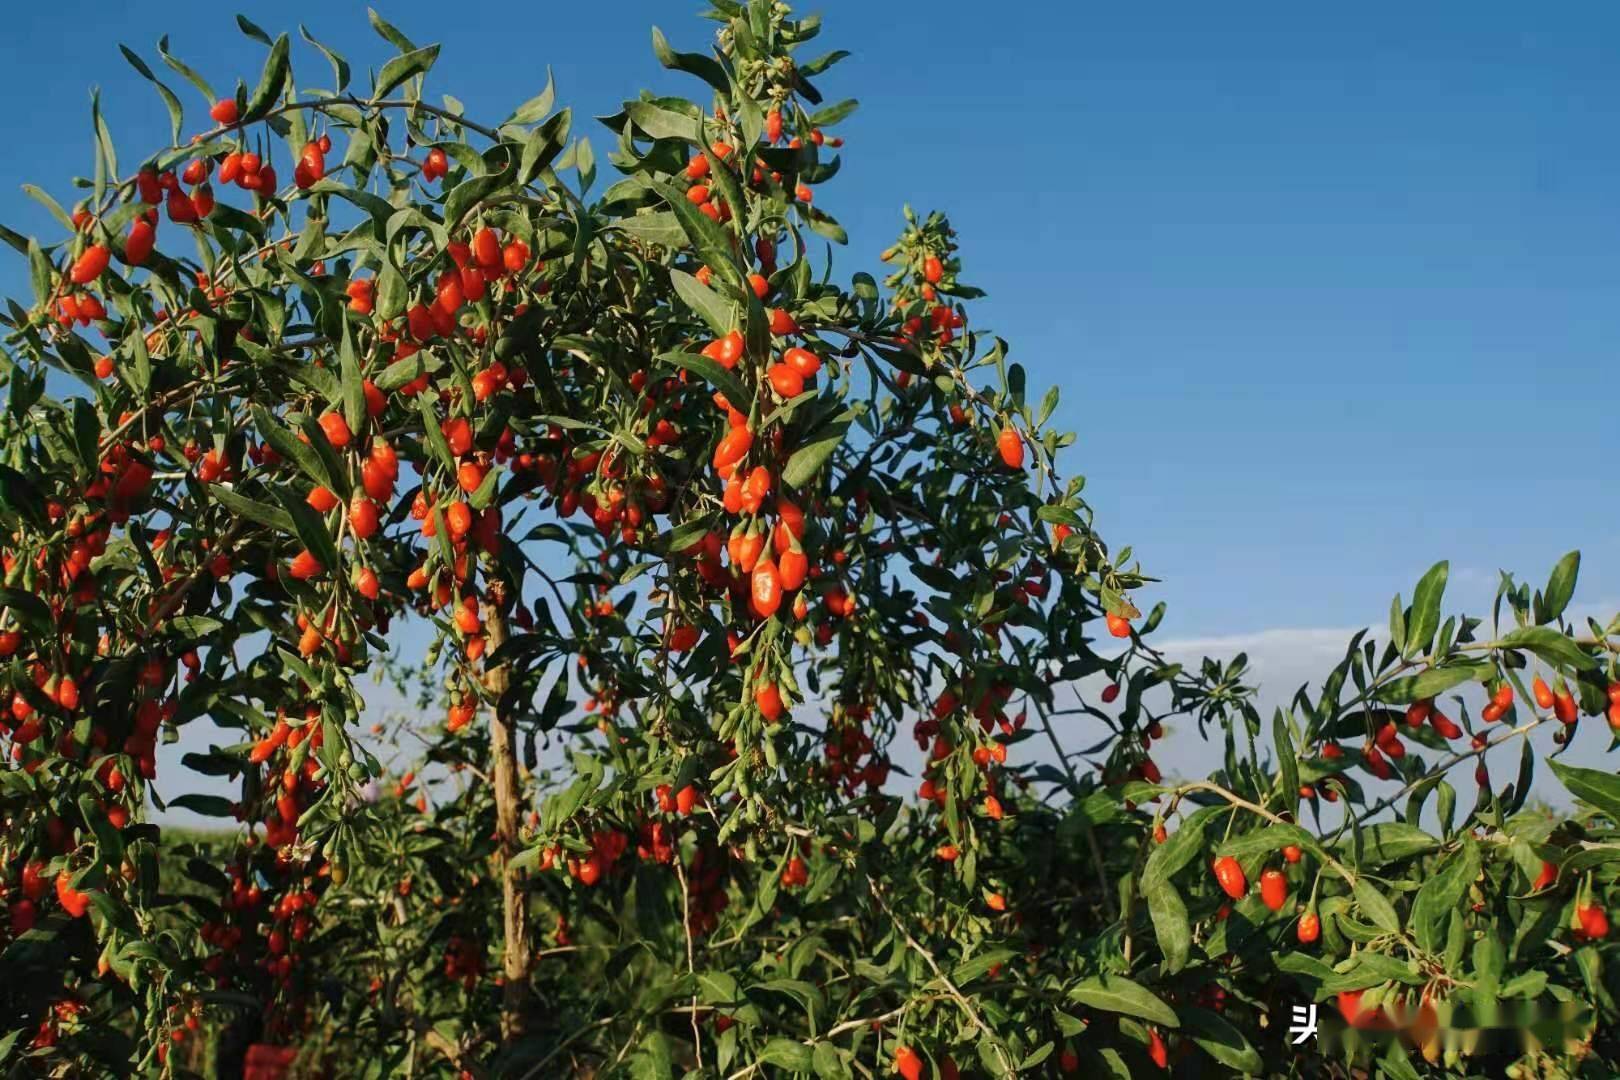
point(696, 530)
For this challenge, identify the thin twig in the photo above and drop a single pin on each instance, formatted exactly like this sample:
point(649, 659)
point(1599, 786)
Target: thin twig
point(945, 980)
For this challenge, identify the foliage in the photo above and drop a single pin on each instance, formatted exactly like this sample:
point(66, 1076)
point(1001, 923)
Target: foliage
point(674, 500)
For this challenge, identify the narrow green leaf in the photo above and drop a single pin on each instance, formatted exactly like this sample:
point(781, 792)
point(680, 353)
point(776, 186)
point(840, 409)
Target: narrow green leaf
point(1116, 993)
point(719, 313)
point(1592, 786)
point(1376, 907)
point(207, 805)
point(272, 80)
point(709, 238)
point(1287, 761)
point(659, 122)
point(40, 196)
point(252, 30)
point(1170, 924)
point(1221, 1040)
point(704, 67)
point(806, 462)
point(269, 516)
point(311, 530)
point(1560, 587)
point(832, 114)
point(389, 33)
point(354, 393)
point(431, 432)
point(290, 446)
point(1550, 645)
point(340, 66)
point(186, 71)
point(1179, 848)
point(1391, 841)
point(1432, 682)
point(170, 101)
point(722, 380)
point(1431, 588)
point(400, 68)
point(787, 1054)
point(466, 196)
point(536, 107)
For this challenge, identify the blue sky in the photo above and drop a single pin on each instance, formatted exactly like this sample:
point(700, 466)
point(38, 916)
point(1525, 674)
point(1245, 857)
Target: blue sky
point(1331, 292)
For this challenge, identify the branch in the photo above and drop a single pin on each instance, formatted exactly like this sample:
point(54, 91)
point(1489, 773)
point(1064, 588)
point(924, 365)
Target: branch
point(945, 980)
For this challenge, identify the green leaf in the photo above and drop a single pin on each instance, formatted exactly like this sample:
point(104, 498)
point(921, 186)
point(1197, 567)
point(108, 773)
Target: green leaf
point(1270, 838)
point(170, 101)
point(709, 238)
point(822, 63)
point(390, 292)
point(715, 310)
point(20, 496)
point(1391, 841)
point(585, 164)
point(1221, 1040)
point(704, 67)
point(185, 71)
point(1560, 587)
point(400, 372)
point(193, 627)
point(1597, 788)
point(659, 227)
point(45, 200)
point(1551, 646)
point(315, 438)
point(660, 122)
point(28, 608)
point(1116, 993)
point(396, 71)
point(311, 530)
point(388, 32)
point(1368, 968)
point(208, 805)
point(536, 107)
point(377, 207)
point(252, 30)
point(1287, 761)
point(1179, 848)
point(824, 224)
point(291, 447)
point(1170, 924)
point(829, 1062)
point(1526, 984)
point(1441, 892)
point(465, 196)
point(805, 463)
point(340, 66)
point(271, 81)
point(86, 432)
point(354, 391)
point(1426, 608)
point(832, 114)
point(431, 431)
point(1376, 907)
point(542, 145)
point(787, 1054)
point(980, 965)
point(1431, 683)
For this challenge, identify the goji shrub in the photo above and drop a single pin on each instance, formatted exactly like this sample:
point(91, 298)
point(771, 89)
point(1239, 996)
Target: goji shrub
point(697, 530)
